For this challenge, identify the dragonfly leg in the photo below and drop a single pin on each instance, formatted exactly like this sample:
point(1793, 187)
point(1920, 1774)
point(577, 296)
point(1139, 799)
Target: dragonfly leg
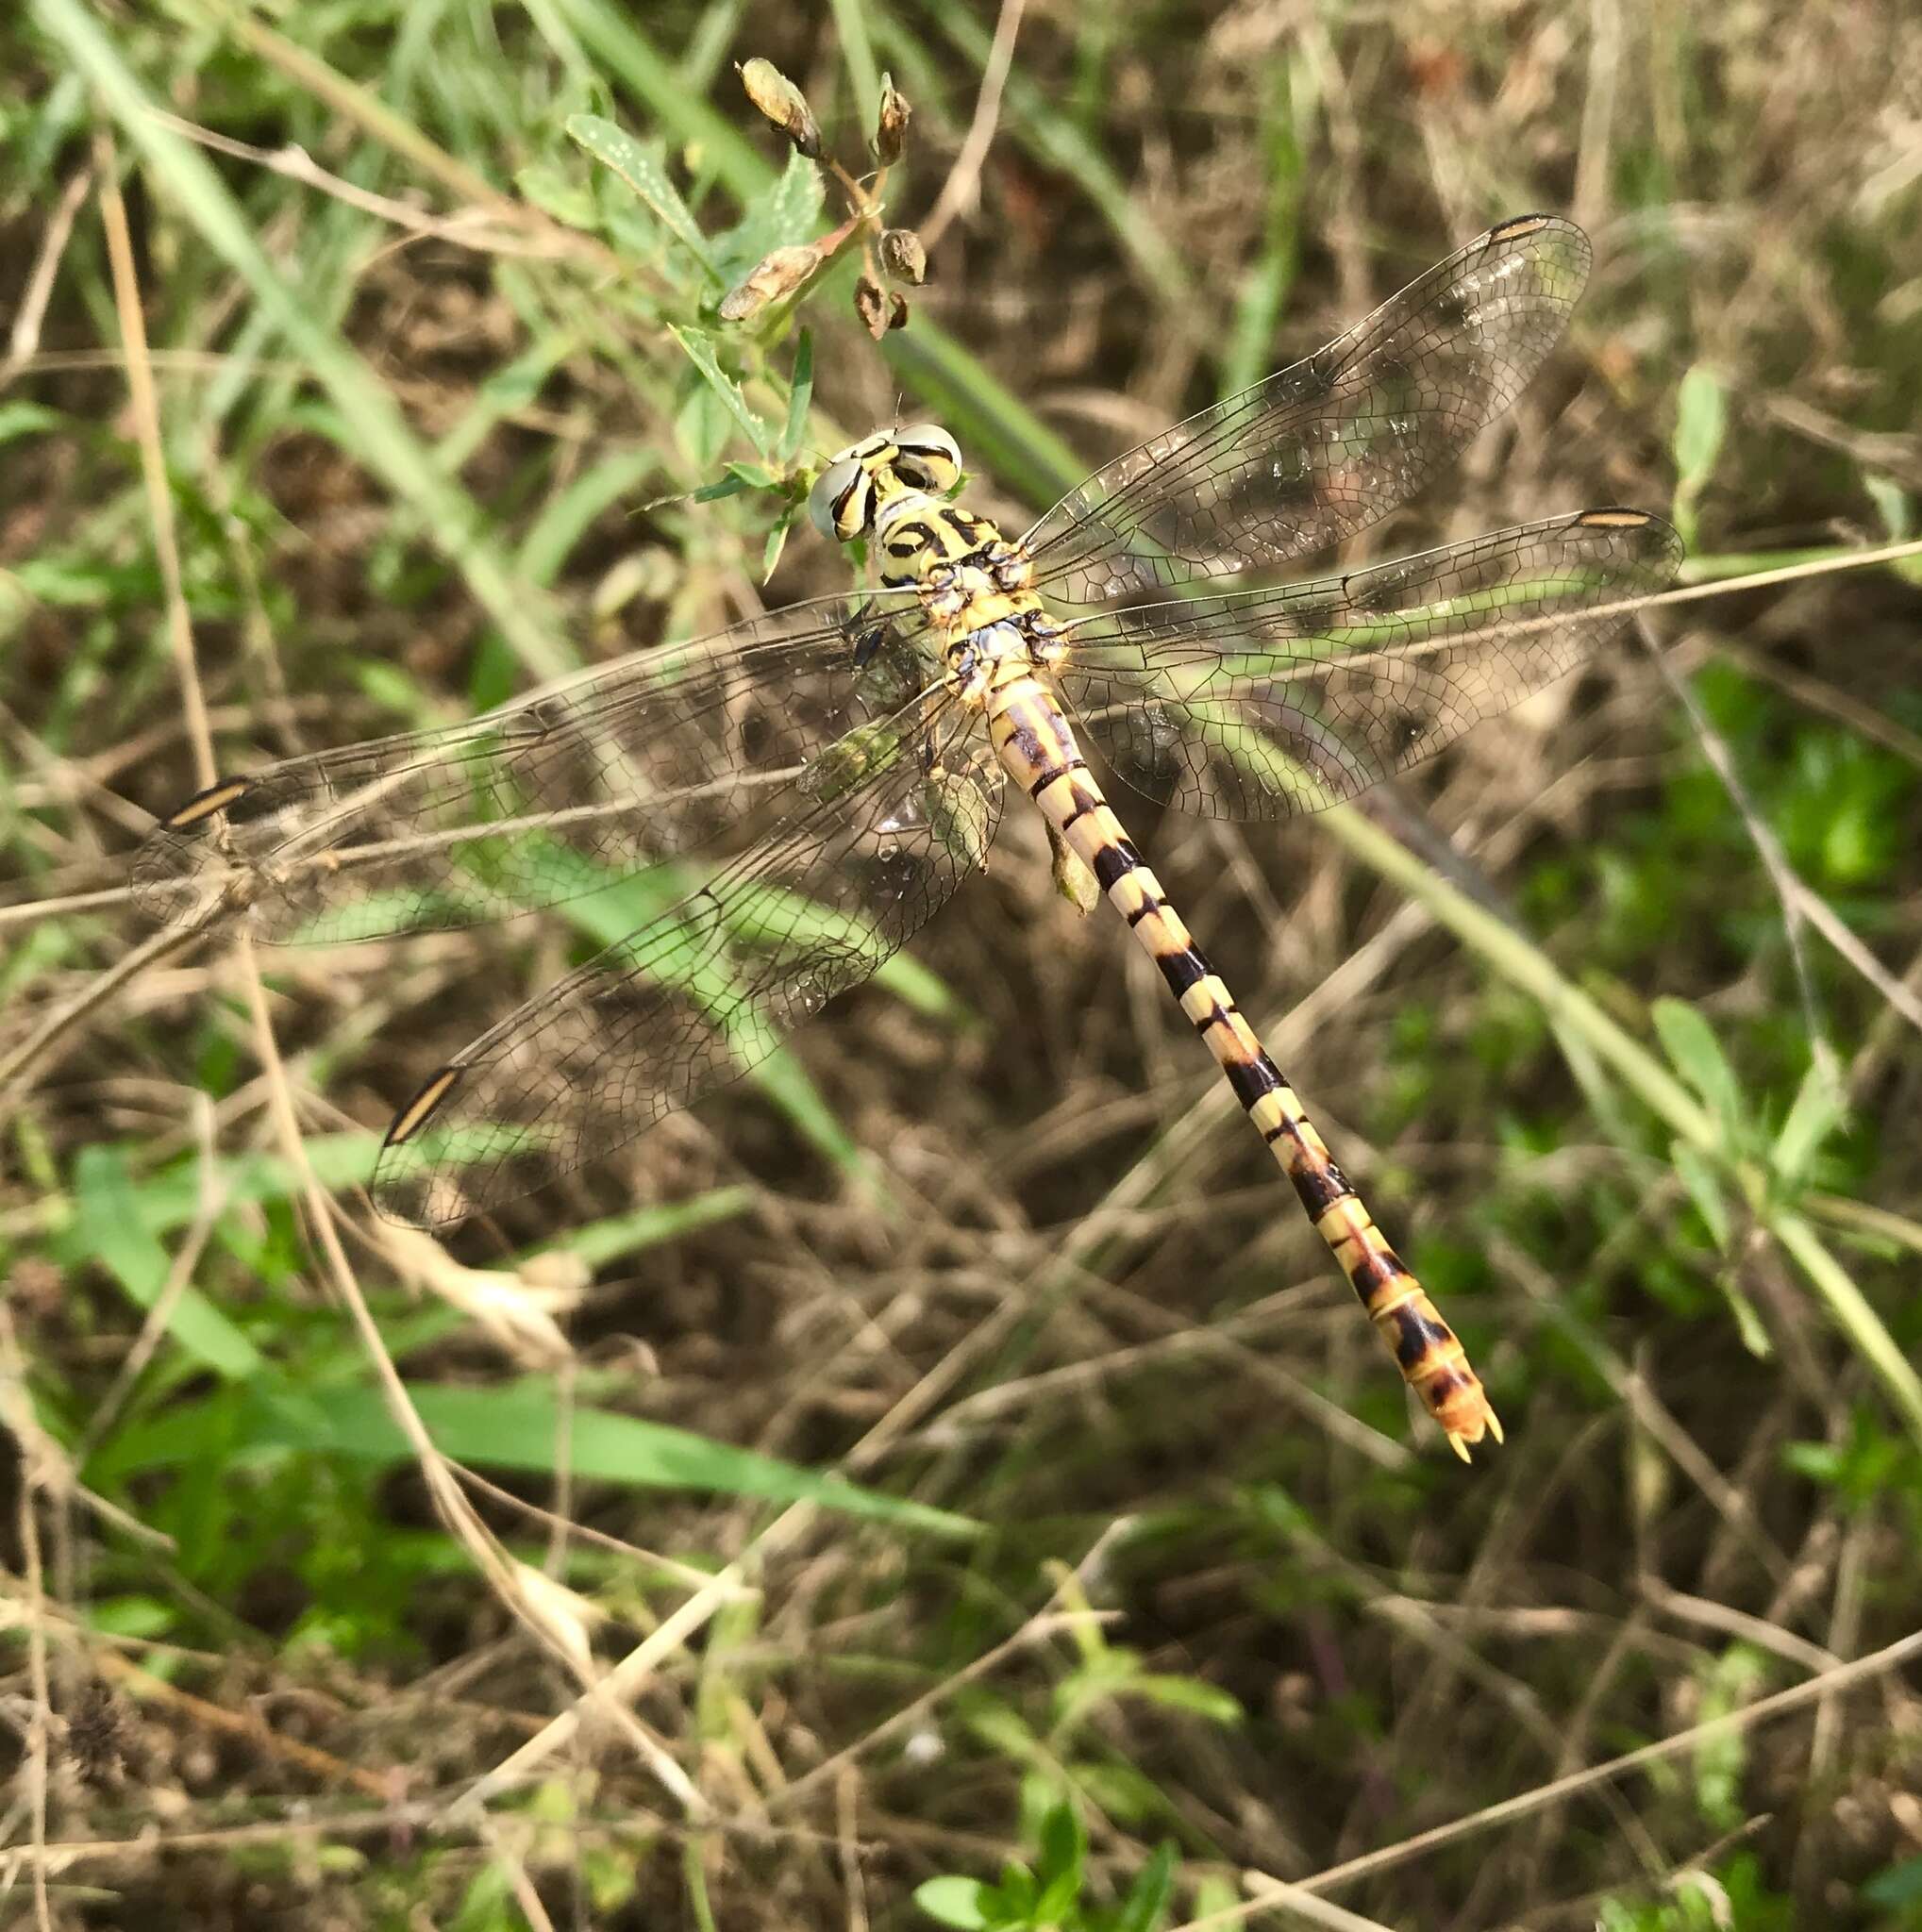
point(1037, 746)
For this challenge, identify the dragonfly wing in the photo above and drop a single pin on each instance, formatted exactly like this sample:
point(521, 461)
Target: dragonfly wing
point(584, 782)
point(1328, 446)
point(881, 830)
point(1262, 703)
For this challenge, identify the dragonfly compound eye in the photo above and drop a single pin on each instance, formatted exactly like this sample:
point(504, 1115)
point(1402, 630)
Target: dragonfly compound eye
point(926, 457)
point(842, 502)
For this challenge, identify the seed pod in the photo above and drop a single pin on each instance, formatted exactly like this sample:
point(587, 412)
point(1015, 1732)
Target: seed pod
point(777, 274)
point(783, 103)
point(898, 310)
point(903, 256)
point(871, 305)
point(891, 126)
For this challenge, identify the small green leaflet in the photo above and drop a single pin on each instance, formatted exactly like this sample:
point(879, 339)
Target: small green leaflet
point(613, 147)
point(723, 385)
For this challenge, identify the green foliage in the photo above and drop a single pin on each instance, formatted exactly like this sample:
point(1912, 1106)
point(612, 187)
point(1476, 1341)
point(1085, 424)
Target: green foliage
point(1734, 1897)
point(1701, 422)
point(1048, 1893)
point(1067, 1766)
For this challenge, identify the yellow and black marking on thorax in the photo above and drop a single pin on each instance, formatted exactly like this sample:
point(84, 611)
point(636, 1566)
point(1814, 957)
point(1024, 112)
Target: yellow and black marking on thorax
point(890, 488)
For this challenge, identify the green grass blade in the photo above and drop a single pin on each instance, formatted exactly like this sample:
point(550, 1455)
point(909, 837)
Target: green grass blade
point(446, 516)
point(518, 1426)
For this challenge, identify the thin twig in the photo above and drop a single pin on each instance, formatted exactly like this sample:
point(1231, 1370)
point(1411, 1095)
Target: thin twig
point(31, 911)
point(962, 187)
point(147, 415)
point(474, 229)
point(450, 1500)
point(26, 1058)
point(23, 340)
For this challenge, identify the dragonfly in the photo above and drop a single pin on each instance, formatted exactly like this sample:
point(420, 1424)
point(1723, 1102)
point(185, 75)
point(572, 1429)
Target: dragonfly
point(852, 751)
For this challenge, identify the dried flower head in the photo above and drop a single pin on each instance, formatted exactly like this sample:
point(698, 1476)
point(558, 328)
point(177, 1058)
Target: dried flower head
point(871, 305)
point(777, 274)
point(890, 125)
point(903, 256)
point(783, 103)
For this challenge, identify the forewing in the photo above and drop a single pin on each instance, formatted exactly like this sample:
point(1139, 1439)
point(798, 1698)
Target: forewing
point(883, 827)
point(559, 794)
point(1262, 703)
point(1327, 447)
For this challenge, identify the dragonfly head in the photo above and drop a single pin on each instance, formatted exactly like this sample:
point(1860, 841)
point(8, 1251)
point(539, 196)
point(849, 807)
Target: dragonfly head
point(858, 484)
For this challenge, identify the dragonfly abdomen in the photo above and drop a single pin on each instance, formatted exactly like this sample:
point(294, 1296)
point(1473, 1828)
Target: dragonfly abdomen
point(1037, 746)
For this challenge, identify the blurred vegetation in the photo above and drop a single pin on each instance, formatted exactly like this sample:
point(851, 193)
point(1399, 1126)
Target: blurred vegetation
point(987, 1499)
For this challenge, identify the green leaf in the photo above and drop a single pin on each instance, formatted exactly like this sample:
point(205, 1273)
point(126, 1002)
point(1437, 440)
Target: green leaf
point(1147, 1897)
point(1124, 1793)
point(786, 214)
point(1190, 1693)
point(1898, 1888)
point(776, 542)
point(1697, 1173)
point(1701, 421)
point(1892, 504)
point(110, 1228)
point(27, 419)
point(1695, 1054)
point(600, 1241)
point(1000, 1728)
point(713, 492)
point(517, 1425)
point(1056, 1904)
point(1064, 1845)
point(800, 398)
point(567, 516)
point(613, 147)
point(955, 1901)
point(1818, 1111)
point(557, 194)
point(724, 386)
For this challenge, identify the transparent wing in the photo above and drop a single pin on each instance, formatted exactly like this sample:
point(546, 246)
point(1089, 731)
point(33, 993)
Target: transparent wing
point(1327, 447)
point(883, 827)
point(1262, 703)
point(584, 782)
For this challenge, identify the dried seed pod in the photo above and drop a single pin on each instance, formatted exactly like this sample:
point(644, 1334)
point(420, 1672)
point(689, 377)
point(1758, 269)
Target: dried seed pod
point(776, 274)
point(783, 103)
point(898, 310)
point(871, 305)
point(903, 256)
point(891, 126)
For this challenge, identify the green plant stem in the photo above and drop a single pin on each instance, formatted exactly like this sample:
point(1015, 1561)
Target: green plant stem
point(856, 45)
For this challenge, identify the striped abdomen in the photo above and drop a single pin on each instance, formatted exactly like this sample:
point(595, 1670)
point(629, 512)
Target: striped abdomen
point(1036, 744)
